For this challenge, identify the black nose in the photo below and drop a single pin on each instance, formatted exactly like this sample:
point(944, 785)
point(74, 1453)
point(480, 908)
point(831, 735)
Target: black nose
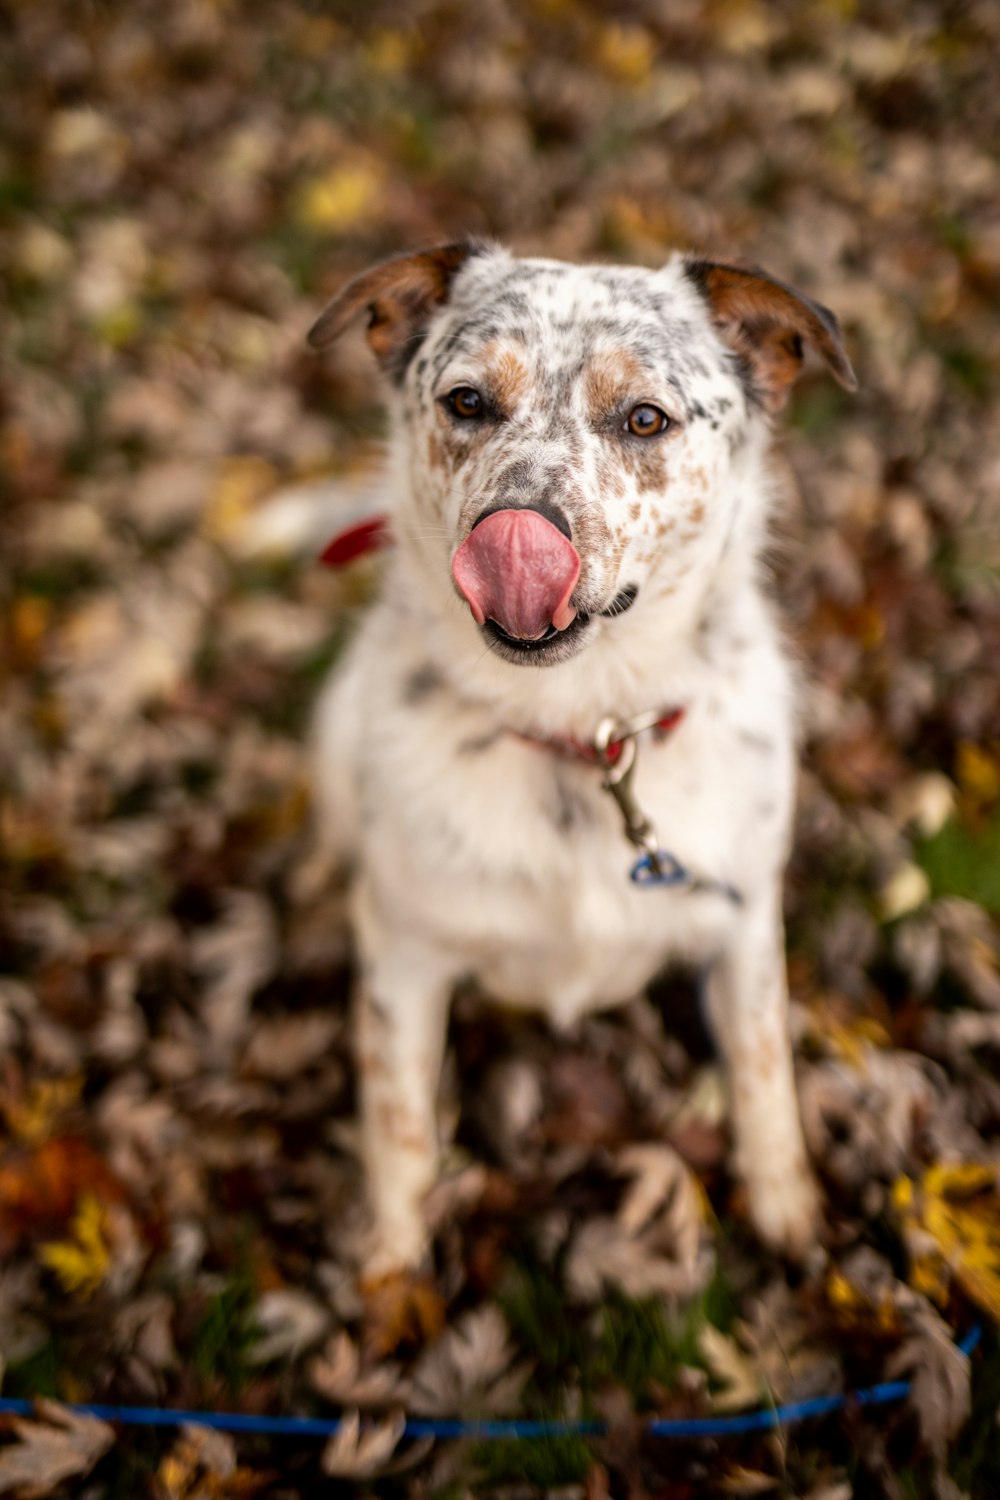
point(551, 513)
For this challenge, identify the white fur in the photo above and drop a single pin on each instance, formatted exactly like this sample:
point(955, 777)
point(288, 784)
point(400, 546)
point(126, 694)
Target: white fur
point(475, 853)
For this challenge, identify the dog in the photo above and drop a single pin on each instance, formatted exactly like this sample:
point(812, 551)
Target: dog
point(560, 752)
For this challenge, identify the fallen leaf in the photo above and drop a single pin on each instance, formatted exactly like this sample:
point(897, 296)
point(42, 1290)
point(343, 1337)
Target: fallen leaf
point(471, 1370)
point(951, 1223)
point(401, 1308)
point(290, 1322)
point(740, 1481)
point(940, 1377)
point(657, 1244)
point(356, 1452)
point(55, 1445)
point(82, 1261)
point(736, 1375)
point(202, 1465)
point(338, 1376)
point(40, 1189)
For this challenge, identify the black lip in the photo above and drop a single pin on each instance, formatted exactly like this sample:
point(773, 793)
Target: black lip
point(555, 645)
point(550, 513)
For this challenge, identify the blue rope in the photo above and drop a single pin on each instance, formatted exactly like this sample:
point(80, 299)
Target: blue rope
point(325, 1427)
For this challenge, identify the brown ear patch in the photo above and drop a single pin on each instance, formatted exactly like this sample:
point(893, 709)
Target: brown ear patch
point(766, 323)
point(400, 295)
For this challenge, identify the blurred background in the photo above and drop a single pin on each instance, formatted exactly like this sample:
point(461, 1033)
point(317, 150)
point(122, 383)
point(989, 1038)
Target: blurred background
point(182, 185)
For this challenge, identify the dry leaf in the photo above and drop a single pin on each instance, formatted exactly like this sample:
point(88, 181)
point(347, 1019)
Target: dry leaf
point(401, 1308)
point(202, 1466)
point(54, 1446)
point(940, 1373)
point(736, 1374)
point(356, 1452)
point(657, 1244)
point(471, 1370)
point(82, 1261)
point(951, 1223)
point(290, 1322)
point(338, 1376)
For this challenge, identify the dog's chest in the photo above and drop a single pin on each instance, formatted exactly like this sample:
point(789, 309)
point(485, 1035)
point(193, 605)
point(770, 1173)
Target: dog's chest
point(514, 857)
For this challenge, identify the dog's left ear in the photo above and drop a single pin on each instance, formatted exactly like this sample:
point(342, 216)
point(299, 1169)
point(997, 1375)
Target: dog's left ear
point(400, 295)
point(766, 323)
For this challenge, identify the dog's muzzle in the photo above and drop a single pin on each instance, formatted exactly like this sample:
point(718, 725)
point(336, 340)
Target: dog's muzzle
point(518, 569)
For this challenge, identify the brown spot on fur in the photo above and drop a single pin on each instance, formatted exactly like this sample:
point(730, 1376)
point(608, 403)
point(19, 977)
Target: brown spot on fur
point(646, 460)
point(611, 378)
point(506, 376)
point(436, 452)
point(610, 480)
point(635, 510)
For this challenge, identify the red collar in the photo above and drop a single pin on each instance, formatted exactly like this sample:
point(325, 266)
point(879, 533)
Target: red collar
point(370, 535)
point(571, 748)
point(375, 533)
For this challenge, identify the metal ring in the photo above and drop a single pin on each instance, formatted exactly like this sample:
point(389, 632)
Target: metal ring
point(671, 871)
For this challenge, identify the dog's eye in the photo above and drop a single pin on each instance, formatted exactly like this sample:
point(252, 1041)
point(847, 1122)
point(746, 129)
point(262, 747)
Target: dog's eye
point(646, 421)
point(465, 402)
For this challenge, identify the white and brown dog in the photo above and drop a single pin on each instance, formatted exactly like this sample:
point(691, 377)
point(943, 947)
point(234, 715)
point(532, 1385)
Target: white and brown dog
point(572, 650)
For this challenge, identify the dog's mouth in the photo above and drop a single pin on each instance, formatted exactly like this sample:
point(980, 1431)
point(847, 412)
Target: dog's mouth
point(517, 570)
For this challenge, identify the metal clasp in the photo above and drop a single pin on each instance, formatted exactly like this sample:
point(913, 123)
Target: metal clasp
point(616, 747)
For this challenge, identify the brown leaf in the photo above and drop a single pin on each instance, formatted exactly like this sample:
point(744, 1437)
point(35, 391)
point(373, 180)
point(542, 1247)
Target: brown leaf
point(940, 1391)
point(400, 1309)
point(359, 1453)
point(471, 1370)
point(60, 1446)
point(39, 1189)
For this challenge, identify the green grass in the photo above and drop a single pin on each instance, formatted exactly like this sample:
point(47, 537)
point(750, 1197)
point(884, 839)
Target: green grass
point(635, 1343)
point(226, 1334)
point(975, 1463)
point(960, 861)
point(38, 1375)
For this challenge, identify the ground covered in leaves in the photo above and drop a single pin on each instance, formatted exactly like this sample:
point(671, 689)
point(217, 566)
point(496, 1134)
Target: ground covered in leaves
point(180, 1221)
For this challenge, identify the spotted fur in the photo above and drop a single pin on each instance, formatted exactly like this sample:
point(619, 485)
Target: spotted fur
point(475, 852)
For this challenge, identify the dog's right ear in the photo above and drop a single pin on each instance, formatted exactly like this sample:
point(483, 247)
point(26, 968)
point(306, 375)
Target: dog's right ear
point(400, 295)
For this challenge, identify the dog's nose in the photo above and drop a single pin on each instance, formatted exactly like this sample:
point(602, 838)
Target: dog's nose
point(518, 568)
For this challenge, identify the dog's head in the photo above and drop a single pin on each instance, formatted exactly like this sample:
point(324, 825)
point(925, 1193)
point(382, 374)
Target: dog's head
point(577, 437)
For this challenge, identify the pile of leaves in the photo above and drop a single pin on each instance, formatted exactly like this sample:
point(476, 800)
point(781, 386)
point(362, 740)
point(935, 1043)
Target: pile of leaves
point(181, 1220)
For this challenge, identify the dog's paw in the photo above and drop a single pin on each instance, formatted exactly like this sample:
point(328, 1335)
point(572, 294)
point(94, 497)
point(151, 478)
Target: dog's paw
point(786, 1211)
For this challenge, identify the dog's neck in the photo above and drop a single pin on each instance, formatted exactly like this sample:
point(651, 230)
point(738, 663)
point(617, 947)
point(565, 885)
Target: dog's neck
point(663, 652)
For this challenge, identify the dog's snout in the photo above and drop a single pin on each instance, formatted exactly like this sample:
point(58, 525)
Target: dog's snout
point(551, 513)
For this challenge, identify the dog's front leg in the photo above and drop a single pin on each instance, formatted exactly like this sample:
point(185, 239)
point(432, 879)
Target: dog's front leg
point(748, 1008)
point(402, 1013)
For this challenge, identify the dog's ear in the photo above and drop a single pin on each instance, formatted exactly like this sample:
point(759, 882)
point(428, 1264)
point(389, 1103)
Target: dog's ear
point(766, 323)
point(399, 295)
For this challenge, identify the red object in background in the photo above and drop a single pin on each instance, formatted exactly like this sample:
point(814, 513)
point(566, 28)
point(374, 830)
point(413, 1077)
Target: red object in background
point(371, 535)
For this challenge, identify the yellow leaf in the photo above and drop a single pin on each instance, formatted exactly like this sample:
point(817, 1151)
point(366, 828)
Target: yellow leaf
point(81, 1262)
point(951, 1225)
point(978, 773)
point(626, 52)
point(34, 1118)
point(340, 199)
point(390, 52)
point(241, 483)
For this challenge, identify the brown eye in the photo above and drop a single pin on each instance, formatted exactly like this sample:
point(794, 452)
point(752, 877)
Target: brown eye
point(646, 421)
point(465, 402)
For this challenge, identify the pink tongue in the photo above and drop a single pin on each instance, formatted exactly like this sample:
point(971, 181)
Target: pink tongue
point(517, 569)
